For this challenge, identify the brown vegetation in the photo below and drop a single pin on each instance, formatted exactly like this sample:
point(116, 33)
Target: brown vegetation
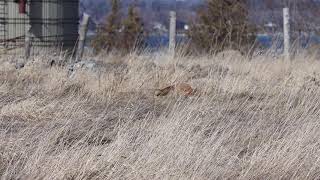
point(223, 24)
point(118, 34)
point(255, 119)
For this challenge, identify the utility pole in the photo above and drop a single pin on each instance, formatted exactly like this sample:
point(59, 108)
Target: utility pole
point(286, 33)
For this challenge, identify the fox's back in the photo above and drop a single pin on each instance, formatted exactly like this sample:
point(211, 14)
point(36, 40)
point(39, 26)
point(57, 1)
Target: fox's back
point(184, 89)
point(180, 89)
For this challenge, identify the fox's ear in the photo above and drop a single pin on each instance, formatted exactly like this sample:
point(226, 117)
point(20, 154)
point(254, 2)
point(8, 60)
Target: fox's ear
point(195, 90)
point(157, 92)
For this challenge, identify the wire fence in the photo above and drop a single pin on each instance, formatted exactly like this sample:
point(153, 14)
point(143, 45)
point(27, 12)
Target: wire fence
point(50, 22)
point(55, 22)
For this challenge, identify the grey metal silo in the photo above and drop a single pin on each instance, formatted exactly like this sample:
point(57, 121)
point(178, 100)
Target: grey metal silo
point(51, 22)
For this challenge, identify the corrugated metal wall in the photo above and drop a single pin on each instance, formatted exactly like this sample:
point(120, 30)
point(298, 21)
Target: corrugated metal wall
point(2, 20)
point(12, 24)
point(15, 26)
point(52, 22)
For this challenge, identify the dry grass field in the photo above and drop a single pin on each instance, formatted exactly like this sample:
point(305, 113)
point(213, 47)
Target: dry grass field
point(250, 119)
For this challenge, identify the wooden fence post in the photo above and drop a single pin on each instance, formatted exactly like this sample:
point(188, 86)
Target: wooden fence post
point(172, 35)
point(286, 33)
point(82, 36)
point(27, 45)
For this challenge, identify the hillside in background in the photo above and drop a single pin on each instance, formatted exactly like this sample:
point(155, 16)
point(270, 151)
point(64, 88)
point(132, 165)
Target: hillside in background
point(265, 14)
point(152, 12)
point(262, 12)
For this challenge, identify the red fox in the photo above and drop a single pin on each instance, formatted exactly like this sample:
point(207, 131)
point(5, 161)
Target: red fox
point(181, 89)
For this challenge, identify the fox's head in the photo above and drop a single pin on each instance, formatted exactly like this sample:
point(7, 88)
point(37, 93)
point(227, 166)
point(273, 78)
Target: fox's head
point(163, 92)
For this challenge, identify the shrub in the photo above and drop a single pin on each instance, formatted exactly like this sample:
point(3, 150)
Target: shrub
point(117, 34)
point(222, 24)
point(132, 34)
point(108, 34)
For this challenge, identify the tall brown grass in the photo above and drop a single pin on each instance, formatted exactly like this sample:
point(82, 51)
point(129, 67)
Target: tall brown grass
point(254, 119)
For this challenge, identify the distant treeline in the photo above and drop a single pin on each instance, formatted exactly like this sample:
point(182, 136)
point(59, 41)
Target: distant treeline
point(214, 25)
point(150, 10)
